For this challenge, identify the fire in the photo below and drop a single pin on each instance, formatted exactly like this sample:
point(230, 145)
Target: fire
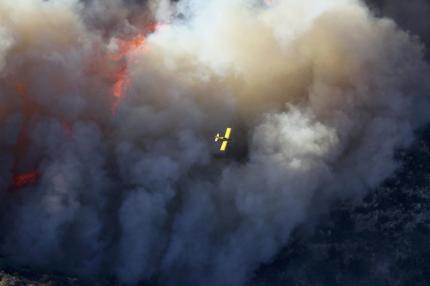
point(121, 76)
point(28, 110)
point(127, 46)
point(26, 179)
point(120, 80)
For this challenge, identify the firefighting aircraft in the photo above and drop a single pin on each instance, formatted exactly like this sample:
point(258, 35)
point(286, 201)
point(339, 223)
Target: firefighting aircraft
point(224, 139)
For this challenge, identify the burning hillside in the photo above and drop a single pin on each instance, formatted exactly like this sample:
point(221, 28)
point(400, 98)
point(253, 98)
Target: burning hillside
point(107, 118)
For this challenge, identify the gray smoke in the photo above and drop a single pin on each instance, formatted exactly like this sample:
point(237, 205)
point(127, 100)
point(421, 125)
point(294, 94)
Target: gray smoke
point(411, 15)
point(320, 95)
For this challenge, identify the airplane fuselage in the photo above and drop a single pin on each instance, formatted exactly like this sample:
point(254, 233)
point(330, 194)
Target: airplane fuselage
point(224, 139)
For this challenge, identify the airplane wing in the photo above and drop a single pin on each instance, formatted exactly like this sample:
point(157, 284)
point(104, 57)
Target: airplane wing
point(223, 146)
point(227, 133)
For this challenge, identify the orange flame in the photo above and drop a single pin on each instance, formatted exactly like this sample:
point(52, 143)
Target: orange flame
point(126, 47)
point(120, 80)
point(121, 76)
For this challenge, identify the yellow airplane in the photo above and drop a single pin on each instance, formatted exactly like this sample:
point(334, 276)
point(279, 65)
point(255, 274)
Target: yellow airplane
point(224, 139)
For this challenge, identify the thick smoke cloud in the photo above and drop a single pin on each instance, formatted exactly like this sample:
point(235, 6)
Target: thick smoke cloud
point(320, 95)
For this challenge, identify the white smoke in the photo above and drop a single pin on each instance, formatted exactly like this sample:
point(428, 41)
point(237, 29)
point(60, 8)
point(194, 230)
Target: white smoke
point(320, 94)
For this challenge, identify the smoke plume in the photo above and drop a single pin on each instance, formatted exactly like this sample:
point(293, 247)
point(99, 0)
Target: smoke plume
point(109, 108)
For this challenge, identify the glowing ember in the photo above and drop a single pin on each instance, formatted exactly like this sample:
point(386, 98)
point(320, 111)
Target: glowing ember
point(26, 179)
